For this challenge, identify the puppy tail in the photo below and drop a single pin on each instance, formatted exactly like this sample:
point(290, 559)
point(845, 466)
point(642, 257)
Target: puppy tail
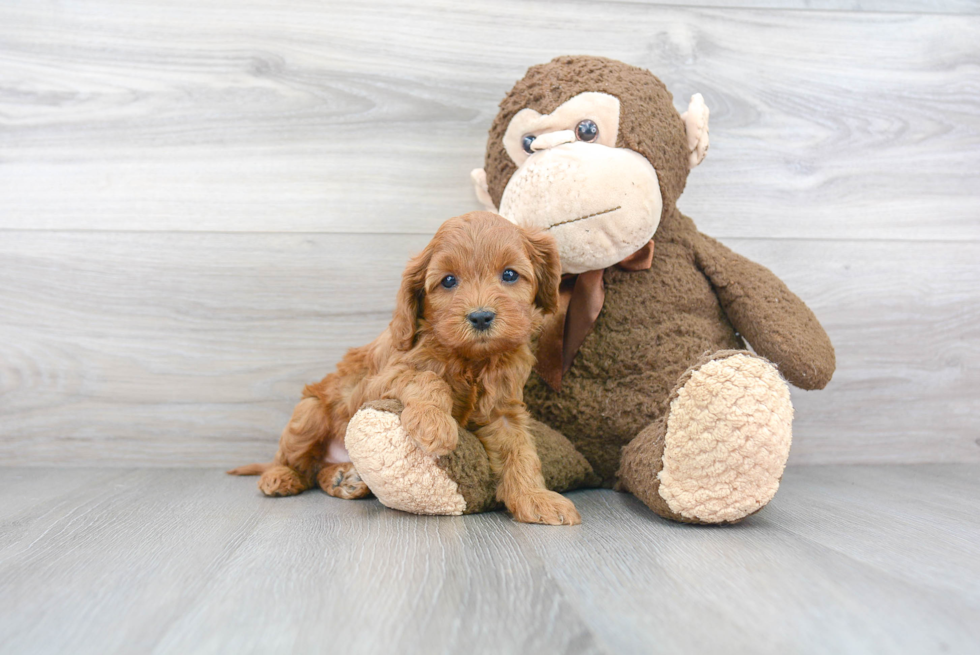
point(251, 469)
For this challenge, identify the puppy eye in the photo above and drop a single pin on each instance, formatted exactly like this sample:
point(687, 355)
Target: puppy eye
point(587, 131)
point(526, 143)
point(509, 275)
point(449, 281)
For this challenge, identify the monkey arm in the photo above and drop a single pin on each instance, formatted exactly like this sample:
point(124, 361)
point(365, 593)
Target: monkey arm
point(768, 315)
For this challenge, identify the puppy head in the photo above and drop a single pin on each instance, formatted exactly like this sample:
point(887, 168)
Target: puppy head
point(481, 286)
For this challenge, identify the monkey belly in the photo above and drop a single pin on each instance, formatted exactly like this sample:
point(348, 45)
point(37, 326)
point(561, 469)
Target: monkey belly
point(653, 326)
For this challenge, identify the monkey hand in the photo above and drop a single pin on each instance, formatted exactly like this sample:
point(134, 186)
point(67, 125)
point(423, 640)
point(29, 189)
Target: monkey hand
point(432, 428)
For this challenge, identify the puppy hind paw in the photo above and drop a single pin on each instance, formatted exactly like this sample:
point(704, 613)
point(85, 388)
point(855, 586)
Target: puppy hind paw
point(281, 481)
point(342, 481)
point(545, 507)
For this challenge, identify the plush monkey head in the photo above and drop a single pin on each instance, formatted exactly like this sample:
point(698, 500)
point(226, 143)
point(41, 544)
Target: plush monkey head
point(593, 151)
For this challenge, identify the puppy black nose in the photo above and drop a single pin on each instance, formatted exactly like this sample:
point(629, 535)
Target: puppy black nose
point(481, 319)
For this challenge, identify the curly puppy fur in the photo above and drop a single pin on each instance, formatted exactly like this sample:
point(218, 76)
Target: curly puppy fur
point(445, 371)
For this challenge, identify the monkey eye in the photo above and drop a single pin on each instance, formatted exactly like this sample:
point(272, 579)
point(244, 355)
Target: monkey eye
point(587, 130)
point(509, 275)
point(449, 281)
point(526, 143)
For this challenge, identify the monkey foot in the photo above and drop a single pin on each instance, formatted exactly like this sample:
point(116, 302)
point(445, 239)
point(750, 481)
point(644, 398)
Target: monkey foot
point(719, 454)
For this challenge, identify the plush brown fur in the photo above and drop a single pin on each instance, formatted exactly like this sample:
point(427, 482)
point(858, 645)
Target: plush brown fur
point(698, 297)
point(648, 123)
point(446, 373)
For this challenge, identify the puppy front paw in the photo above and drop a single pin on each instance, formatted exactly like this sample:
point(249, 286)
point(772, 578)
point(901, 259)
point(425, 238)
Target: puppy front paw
point(435, 431)
point(542, 506)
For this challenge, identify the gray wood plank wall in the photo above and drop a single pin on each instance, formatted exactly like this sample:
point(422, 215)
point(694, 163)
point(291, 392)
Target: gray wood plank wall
point(203, 204)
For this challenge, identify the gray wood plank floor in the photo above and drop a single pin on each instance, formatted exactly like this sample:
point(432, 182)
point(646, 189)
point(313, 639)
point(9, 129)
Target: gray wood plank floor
point(846, 559)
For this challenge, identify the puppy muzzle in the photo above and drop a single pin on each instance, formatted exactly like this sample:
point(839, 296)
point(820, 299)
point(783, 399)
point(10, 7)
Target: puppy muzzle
point(481, 320)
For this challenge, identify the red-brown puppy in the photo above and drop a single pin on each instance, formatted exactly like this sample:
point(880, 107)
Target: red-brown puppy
point(457, 352)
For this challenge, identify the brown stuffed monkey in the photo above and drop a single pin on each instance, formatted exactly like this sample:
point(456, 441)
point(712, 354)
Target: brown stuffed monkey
point(643, 380)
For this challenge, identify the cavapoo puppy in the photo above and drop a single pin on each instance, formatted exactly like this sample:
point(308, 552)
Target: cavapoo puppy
point(457, 353)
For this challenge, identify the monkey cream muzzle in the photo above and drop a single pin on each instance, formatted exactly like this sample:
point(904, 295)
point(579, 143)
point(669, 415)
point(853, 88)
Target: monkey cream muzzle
point(582, 218)
point(600, 203)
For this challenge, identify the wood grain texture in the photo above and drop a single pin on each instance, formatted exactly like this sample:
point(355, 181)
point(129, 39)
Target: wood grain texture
point(834, 564)
point(845, 560)
point(170, 349)
point(367, 117)
point(197, 345)
point(850, 6)
point(203, 204)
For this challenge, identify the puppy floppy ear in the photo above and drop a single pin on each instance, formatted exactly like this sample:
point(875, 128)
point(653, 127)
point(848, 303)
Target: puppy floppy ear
point(408, 305)
point(543, 251)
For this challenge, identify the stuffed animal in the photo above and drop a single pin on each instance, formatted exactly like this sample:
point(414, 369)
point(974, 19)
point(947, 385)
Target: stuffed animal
point(644, 381)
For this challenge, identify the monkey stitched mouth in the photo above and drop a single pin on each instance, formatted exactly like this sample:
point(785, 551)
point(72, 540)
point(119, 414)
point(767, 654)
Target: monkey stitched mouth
point(582, 218)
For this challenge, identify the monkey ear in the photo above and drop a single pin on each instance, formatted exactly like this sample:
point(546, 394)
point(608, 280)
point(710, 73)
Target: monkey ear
point(408, 304)
point(479, 177)
point(696, 123)
point(543, 251)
